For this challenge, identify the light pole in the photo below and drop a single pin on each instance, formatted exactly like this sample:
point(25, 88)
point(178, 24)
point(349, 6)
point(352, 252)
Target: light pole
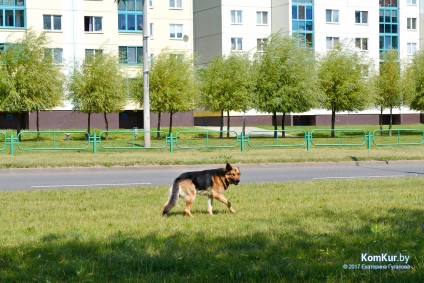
point(146, 95)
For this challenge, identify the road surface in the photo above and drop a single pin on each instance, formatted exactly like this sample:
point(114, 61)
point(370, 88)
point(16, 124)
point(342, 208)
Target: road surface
point(99, 177)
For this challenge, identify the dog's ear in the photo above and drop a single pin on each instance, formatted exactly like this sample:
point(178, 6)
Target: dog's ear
point(228, 167)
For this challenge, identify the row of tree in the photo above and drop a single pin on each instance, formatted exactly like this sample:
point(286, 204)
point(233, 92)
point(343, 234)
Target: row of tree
point(286, 77)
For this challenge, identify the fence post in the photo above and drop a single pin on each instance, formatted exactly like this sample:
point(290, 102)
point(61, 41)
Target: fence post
point(308, 140)
point(369, 140)
point(242, 141)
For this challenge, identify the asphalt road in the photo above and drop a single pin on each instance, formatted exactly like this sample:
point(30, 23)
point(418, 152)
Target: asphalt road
point(68, 178)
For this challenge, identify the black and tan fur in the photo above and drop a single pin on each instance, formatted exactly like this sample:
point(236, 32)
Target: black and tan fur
point(211, 183)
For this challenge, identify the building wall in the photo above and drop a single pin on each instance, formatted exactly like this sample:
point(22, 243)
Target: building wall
point(207, 24)
point(74, 40)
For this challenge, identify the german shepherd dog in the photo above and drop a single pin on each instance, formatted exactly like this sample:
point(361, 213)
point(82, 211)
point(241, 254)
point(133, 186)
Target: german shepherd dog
point(211, 183)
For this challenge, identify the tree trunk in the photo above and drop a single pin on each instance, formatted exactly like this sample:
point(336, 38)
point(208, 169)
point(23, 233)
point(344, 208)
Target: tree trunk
point(221, 124)
point(88, 126)
point(107, 126)
point(283, 128)
point(391, 121)
point(381, 121)
point(38, 125)
point(170, 122)
point(333, 122)
point(18, 125)
point(274, 123)
point(228, 124)
point(158, 133)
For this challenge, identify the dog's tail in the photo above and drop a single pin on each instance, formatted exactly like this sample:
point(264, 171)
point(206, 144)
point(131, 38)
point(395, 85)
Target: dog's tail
point(173, 198)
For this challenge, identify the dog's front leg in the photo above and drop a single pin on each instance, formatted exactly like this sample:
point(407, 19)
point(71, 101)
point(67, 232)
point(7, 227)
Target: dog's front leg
point(210, 201)
point(222, 199)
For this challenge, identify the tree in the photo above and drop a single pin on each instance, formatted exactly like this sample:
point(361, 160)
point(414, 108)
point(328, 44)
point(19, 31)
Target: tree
point(226, 85)
point(97, 86)
point(29, 79)
point(389, 84)
point(415, 71)
point(341, 80)
point(173, 87)
point(285, 77)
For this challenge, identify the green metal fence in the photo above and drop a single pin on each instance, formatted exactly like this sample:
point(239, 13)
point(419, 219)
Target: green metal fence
point(2, 141)
point(212, 139)
point(338, 137)
point(131, 139)
point(206, 139)
point(276, 138)
point(398, 137)
point(53, 140)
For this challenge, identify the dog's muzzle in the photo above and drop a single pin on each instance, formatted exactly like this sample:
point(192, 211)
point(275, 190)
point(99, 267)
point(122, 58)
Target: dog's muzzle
point(236, 181)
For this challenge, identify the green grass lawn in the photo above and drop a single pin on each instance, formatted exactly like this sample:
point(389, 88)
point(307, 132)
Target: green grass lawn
point(285, 232)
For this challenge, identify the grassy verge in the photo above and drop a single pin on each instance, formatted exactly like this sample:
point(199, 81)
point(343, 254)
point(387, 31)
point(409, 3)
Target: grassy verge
point(259, 152)
point(286, 232)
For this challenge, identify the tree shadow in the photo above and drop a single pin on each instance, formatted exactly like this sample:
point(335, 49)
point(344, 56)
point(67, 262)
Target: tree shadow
point(263, 256)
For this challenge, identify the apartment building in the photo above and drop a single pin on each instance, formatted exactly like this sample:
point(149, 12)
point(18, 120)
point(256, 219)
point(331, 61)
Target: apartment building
point(222, 26)
point(80, 27)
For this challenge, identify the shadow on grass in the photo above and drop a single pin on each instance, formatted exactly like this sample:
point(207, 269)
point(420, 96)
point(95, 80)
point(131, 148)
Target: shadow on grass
point(261, 256)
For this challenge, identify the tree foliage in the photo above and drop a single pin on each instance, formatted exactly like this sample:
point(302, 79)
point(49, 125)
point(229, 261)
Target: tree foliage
point(172, 85)
point(389, 87)
point(285, 77)
point(226, 85)
point(415, 72)
point(97, 85)
point(342, 82)
point(29, 80)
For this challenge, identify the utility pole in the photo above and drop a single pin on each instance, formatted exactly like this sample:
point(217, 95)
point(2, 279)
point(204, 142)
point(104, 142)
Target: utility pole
point(146, 59)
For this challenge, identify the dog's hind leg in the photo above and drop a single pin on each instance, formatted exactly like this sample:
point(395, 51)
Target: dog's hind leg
point(188, 191)
point(222, 199)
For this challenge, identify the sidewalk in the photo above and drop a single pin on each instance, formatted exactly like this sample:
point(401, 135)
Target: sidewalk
point(251, 131)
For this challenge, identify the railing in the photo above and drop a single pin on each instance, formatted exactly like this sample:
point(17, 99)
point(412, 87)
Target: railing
point(210, 139)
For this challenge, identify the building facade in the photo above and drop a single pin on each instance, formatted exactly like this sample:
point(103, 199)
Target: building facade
point(208, 28)
point(371, 26)
point(80, 27)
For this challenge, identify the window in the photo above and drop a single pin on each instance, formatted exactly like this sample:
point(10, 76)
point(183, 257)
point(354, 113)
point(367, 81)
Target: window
point(236, 17)
point(411, 23)
point(13, 14)
point(331, 42)
point(388, 3)
point(175, 31)
point(361, 43)
point(332, 16)
point(92, 52)
point(361, 17)
point(92, 24)
point(176, 4)
point(150, 3)
point(302, 21)
point(130, 16)
point(411, 2)
point(262, 18)
point(151, 30)
point(260, 44)
point(52, 22)
point(411, 48)
point(388, 41)
point(236, 43)
point(55, 53)
point(130, 55)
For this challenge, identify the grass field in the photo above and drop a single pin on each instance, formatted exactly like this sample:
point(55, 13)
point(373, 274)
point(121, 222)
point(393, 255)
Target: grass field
point(287, 232)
